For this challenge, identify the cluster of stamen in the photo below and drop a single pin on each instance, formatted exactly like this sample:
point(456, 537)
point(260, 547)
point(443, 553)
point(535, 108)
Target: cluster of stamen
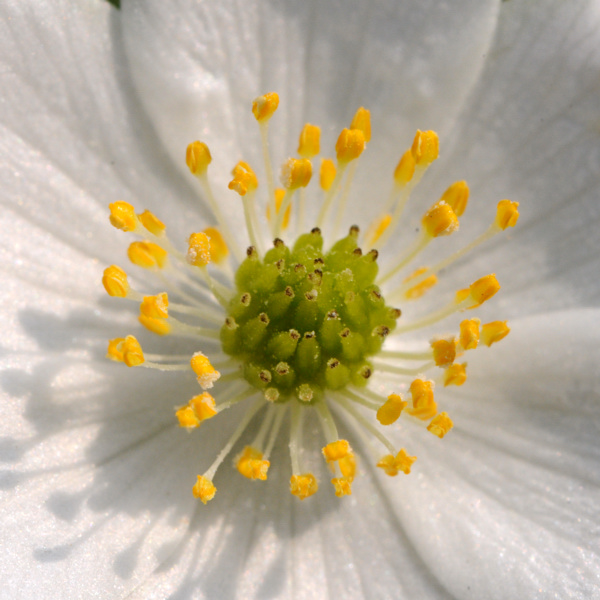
point(302, 325)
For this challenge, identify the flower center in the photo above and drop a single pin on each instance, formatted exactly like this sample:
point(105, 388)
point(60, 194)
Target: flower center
point(301, 327)
point(305, 320)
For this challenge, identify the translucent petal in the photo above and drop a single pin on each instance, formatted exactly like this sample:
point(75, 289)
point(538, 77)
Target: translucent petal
point(516, 484)
point(413, 65)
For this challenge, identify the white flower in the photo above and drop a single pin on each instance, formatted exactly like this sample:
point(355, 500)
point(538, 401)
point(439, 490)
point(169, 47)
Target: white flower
point(96, 103)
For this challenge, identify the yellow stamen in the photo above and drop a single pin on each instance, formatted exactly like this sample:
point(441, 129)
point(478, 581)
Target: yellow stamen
point(327, 174)
point(114, 351)
point(296, 173)
point(218, 247)
point(425, 147)
point(147, 255)
point(420, 288)
point(440, 425)
point(440, 220)
point(483, 289)
point(362, 122)
point(444, 352)
point(244, 179)
point(377, 229)
point(115, 282)
point(336, 450)
point(279, 196)
point(390, 411)
point(507, 214)
point(127, 350)
point(152, 223)
point(197, 158)
point(198, 409)
point(205, 372)
point(304, 485)
point(157, 326)
point(204, 489)
point(342, 486)
point(347, 466)
point(424, 406)
point(401, 462)
point(493, 332)
point(457, 196)
point(156, 307)
point(469, 333)
point(405, 169)
point(198, 253)
point(309, 143)
point(456, 374)
point(350, 145)
point(265, 106)
point(250, 464)
point(122, 216)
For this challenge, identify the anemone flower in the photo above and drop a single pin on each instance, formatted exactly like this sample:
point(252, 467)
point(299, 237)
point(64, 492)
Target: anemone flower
point(98, 105)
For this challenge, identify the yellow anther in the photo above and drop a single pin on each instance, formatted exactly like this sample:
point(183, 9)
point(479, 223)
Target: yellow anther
point(122, 216)
point(198, 253)
point(507, 214)
point(444, 352)
point(198, 409)
point(197, 158)
point(147, 255)
point(115, 282)
point(348, 466)
point(393, 464)
point(421, 288)
point(309, 143)
point(327, 173)
point(350, 145)
point(279, 195)
point(304, 485)
point(115, 349)
point(425, 147)
point(204, 489)
point(424, 406)
point(439, 220)
point(456, 374)
point(440, 425)
point(296, 173)
point(377, 228)
point(156, 307)
point(405, 169)
point(250, 464)
point(264, 106)
point(205, 372)
point(127, 350)
point(362, 122)
point(218, 247)
point(152, 223)
point(204, 406)
point(187, 418)
point(157, 326)
point(342, 486)
point(493, 332)
point(390, 411)
point(336, 450)
point(483, 289)
point(244, 179)
point(469, 333)
point(457, 196)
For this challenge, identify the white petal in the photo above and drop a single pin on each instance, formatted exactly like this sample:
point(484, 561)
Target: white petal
point(198, 67)
point(531, 133)
point(73, 138)
point(506, 505)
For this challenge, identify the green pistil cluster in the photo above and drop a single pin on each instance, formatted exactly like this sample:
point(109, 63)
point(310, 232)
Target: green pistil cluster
point(303, 321)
